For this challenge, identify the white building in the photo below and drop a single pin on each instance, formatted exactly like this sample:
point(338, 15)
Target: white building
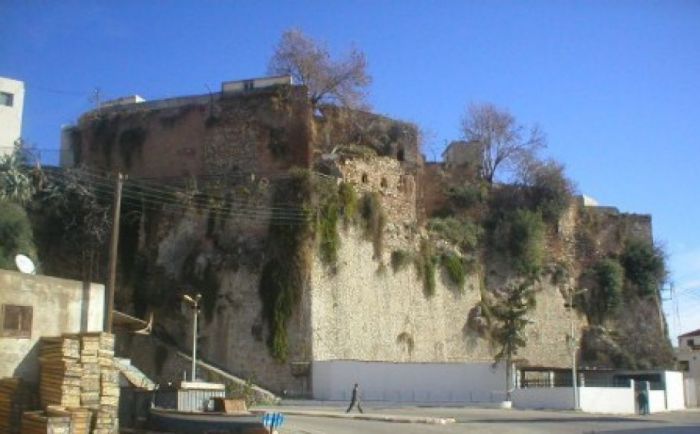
point(688, 356)
point(11, 106)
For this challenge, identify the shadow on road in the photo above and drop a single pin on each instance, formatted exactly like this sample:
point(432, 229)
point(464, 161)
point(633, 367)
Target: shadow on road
point(597, 419)
point(688, 429)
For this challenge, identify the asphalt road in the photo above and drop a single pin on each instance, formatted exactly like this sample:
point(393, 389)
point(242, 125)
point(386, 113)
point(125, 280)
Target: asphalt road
point(479, 420)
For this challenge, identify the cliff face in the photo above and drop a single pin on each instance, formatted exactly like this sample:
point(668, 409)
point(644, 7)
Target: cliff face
point(366, 254)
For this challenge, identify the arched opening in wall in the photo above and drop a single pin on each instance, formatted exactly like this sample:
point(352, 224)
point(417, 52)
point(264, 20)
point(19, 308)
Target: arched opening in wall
point(384, 183)
point(365, 179)
point(400, 155)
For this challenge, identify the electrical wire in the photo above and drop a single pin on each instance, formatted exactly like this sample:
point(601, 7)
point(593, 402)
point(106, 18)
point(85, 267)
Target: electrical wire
point(105, 187)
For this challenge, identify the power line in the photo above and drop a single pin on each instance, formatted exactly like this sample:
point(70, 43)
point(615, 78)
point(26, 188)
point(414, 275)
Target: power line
point(103, 187)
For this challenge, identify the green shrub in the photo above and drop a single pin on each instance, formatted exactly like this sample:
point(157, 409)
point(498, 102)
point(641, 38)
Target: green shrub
point(373, 218)
point(550, 192)
point(348, 201)
point(328, 231)
point(644, 266)
point(399, 260)
point(461, 232)
point(520, 236)
point(16, 234)
point(467, 196)
point(425, 267)
point(290, 254)
point(456, 271)
point(606, 292)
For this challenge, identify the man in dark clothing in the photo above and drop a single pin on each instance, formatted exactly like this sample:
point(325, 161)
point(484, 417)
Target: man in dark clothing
point(355, 399)
point(643, 402)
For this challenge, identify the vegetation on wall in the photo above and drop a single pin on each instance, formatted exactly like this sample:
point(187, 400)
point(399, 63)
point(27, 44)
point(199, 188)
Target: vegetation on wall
point(425, 263)
point(131, 142)
point(289, 253)
point(644, 267)
point(400, 259)
point(456, 270)
point(520, 236)
point(373, 220)
point(605, 295)
point(461, 231)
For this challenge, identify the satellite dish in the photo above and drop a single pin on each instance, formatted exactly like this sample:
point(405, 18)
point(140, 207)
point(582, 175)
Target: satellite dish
point(25, 265)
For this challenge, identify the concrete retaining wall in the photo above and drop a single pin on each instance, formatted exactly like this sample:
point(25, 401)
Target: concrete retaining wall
point(409, 382)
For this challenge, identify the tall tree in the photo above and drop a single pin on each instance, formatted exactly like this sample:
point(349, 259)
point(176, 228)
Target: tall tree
point(502, 142)
point(342, 82)
point(509, 316)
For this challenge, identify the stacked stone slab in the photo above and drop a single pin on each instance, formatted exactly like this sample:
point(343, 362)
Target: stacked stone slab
point(60, 371)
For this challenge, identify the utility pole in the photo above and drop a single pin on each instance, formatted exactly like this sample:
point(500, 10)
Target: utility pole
point(573, 344)
point(113, 248)
point(195, 309)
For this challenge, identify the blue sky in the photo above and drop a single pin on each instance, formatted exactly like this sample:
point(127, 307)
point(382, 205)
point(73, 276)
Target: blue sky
point(614, 84)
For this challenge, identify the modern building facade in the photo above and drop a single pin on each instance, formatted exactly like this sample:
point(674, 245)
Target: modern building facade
point(11, 107)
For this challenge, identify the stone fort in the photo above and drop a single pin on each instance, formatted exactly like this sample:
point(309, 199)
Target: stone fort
point(240, 142)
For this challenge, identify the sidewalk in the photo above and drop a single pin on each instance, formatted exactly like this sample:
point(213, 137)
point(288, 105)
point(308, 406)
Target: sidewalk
point(339, 414)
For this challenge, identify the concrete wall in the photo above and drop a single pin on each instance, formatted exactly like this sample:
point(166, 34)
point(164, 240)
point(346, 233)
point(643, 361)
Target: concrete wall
point(11, 117)
point(674, 390)
point(552, 398)
point(611, 400)
point(657, 401)
point(58, 306)
point(409, 382)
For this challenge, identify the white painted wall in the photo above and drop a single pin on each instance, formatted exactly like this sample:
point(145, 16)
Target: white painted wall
point(611, 400)
point(657, 401)
point(11, 117)
point(674, 390)
point(58, 306)
point(409, 382)
point(691, 398)
point(554, 398)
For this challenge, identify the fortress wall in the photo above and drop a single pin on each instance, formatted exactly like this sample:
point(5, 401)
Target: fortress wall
point(361, 313)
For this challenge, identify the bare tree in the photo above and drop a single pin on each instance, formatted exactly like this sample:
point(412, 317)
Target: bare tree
point(503, 143)
point(341, 82)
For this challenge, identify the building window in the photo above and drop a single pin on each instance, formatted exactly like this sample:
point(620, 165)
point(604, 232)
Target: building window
point(683, 365)
point(691, 342)
point(248, 85)
point(7, 99)
point(16, 321)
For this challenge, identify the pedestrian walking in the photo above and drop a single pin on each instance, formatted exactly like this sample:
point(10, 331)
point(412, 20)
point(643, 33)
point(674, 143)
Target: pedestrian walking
point(355, 399)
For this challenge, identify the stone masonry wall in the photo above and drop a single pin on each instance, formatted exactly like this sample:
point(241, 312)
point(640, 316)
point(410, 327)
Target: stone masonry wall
point(396, 185)
point(360, 314)
point(263, 132)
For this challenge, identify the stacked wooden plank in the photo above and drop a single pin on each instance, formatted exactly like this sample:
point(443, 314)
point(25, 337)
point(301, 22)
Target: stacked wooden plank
point(80, 418)
point(89, 359)
point(39, 422)
point(15, 397)
point(61, 371)
point(100, 382)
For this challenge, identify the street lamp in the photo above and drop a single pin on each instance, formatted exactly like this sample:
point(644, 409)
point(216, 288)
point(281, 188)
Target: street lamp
point(194, 302)
point(573, 345)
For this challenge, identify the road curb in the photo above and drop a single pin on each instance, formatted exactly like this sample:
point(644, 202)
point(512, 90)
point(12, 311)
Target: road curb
point(360, 416)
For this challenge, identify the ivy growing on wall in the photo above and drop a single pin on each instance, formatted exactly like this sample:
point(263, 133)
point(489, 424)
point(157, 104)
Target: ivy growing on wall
point(289, 252)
